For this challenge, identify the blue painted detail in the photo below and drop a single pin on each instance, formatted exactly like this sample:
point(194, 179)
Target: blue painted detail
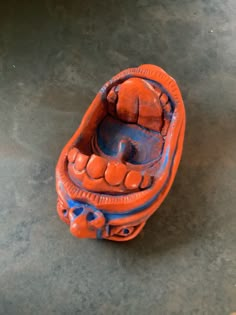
point(73, 204)
point(165, 162)
point(144, 146)
point(112, 216)
point(126, 231)
point(78, 211)
point(99, 234)
point(90, 216)
point(108, 229)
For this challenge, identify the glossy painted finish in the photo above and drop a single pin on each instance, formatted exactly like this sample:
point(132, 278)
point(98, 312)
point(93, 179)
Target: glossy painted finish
point(118, 167)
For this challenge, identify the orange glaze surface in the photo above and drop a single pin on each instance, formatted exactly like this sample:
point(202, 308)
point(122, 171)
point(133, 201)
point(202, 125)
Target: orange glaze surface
point(118, 167)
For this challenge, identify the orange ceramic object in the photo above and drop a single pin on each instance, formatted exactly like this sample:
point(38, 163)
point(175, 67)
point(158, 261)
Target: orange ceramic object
point(118, 167)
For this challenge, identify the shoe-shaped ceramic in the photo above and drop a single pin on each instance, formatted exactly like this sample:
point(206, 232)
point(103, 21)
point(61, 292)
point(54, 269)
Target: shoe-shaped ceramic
point(118, 167)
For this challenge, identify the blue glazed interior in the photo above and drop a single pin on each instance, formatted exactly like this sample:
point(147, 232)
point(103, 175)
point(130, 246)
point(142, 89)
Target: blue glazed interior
point(145, 146)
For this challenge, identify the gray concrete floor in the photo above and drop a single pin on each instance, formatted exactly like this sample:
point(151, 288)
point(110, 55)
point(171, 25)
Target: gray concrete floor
point(54, 57)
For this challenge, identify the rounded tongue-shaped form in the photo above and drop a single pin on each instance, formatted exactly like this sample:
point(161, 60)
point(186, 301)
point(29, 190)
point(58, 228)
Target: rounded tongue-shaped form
point(138, 102)
point(124, 150)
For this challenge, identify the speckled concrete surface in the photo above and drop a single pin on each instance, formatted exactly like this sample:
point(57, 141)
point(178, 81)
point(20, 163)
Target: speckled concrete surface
point(54, 56)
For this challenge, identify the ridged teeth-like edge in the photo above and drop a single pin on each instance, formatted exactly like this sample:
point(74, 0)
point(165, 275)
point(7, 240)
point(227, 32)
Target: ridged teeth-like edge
point(146, 181)
point(96, 166)
point(72, 155)
point(115, 173)
point(81, 161)
point(133, 180)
